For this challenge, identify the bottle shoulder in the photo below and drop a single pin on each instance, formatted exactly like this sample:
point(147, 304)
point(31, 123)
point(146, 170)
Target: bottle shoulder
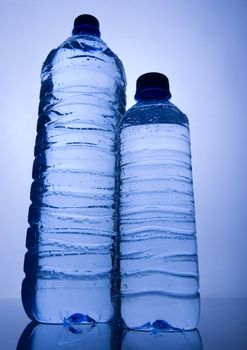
point(153, 113)
point(81, 49)
point(73, 44)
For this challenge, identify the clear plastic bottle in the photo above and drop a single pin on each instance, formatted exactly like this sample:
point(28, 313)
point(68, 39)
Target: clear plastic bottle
point(158, 249)
point(70, 240)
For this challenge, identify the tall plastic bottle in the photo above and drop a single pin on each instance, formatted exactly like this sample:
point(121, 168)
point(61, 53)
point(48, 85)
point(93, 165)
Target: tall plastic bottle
point(158, 249)
point(70, 240)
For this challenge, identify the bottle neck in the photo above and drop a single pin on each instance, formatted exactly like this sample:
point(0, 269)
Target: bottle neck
point(86, 30)
point(152, 94)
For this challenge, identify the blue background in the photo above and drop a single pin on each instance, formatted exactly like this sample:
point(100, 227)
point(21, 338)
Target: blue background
point(201, 45)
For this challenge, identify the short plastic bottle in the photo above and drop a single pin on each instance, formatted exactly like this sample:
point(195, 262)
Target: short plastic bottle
point(158, 248)
point(69, 261)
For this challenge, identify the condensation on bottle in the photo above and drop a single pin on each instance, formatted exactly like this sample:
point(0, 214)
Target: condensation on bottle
point(158, 248)
point(69, 262)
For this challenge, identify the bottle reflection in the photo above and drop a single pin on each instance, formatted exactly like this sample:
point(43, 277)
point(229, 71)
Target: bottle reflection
point(60, 337)
point(104, 336)
point(170, 340)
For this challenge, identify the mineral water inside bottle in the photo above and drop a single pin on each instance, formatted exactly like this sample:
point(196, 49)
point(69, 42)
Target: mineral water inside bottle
point(158, 250)
point(70, 240)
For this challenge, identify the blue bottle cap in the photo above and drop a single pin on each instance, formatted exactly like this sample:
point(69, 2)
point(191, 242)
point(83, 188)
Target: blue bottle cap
point(152, 86)
point(86, 24)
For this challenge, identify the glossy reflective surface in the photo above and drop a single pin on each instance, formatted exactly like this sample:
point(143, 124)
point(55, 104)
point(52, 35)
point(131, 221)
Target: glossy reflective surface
point(222, 326)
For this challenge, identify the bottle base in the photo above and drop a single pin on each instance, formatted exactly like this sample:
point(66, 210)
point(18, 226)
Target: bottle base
point(160, 312)
point(67, 302)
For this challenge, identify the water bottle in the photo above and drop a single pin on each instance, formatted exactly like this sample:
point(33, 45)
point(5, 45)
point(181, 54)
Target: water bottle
point(69, 263)
point(158, 249)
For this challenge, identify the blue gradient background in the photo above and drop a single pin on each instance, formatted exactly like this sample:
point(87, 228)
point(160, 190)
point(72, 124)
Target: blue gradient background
point(201, 45)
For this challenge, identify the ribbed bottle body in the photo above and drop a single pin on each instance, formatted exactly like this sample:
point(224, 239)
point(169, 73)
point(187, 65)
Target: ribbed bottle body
point(158, 249)
point(69, 262)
